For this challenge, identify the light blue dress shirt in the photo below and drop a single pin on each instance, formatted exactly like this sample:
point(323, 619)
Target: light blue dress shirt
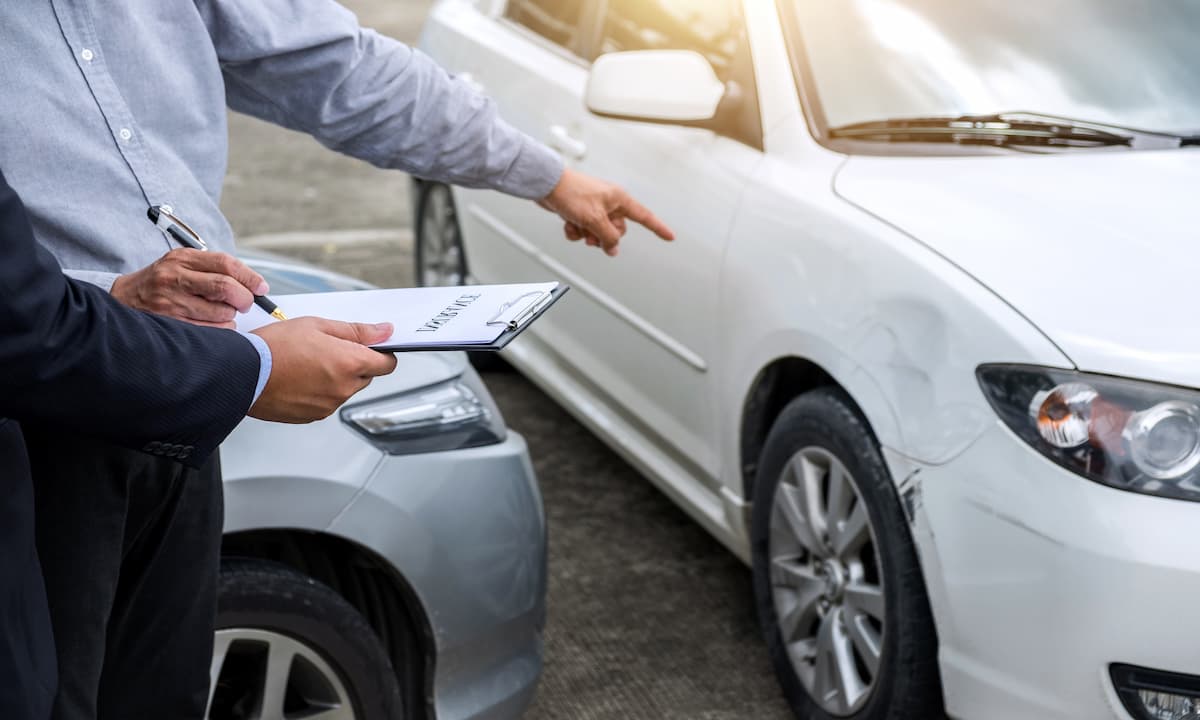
point(264, 365)
point(110, 107)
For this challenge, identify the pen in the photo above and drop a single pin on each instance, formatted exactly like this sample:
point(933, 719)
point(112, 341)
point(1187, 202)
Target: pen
point(163, 216)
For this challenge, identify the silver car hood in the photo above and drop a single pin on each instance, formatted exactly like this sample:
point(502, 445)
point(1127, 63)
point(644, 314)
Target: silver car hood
point(415, 370)
point(273, 455)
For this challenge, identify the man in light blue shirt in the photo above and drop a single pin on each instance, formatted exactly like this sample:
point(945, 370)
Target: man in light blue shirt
point(112, 107)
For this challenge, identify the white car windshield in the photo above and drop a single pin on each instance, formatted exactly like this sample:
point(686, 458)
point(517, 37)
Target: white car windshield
point(1126, 63)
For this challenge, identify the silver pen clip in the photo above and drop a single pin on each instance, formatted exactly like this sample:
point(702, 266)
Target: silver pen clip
point(165, 219)
point(517, 311)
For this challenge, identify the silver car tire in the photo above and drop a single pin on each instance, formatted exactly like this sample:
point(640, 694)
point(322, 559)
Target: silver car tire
point(287, 646)
point(839, 591)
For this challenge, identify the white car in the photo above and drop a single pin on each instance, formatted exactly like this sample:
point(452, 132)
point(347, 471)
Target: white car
point(925, 350)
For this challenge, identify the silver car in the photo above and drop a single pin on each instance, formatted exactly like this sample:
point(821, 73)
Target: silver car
point(387, 562)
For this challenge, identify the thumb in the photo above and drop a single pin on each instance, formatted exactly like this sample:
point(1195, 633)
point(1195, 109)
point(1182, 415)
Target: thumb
point(361, 333)
point(604, 230)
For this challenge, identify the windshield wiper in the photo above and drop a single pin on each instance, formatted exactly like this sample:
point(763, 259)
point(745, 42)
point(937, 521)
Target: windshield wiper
point(1002, 129)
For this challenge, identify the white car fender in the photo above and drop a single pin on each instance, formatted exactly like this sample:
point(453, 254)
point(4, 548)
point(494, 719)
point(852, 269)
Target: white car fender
point(900, 328)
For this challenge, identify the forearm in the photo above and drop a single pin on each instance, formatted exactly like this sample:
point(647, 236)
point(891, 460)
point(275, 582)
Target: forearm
point(440, 128)
point(307, 65)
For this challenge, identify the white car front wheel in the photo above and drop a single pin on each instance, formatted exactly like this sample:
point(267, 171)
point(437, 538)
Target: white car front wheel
point(839, 591)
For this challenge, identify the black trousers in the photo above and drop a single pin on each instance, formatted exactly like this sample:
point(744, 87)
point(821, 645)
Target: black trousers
point(130, 549)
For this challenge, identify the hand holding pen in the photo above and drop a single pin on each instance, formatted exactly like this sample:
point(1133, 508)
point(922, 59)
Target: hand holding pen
point(164, 218)
point(191, 284)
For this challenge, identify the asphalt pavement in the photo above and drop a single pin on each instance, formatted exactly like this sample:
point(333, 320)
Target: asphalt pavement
point(650, 618)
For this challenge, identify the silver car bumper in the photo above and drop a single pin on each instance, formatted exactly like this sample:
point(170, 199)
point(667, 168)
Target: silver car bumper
point(467, 531)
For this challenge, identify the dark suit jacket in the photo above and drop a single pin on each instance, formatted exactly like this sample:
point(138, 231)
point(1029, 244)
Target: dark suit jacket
point(71, 356)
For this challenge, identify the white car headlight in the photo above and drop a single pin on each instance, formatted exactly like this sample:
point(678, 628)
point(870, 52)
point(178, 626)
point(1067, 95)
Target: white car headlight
point(448, 416)
point(1128, 434)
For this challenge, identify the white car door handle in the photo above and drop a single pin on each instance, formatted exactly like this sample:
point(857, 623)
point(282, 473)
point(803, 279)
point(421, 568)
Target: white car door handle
point(561, 140)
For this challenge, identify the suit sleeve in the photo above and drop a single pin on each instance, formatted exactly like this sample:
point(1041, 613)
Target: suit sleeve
point(71, 355)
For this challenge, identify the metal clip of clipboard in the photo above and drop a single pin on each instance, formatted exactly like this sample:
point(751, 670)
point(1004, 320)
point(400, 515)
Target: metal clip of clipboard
point(514, 313)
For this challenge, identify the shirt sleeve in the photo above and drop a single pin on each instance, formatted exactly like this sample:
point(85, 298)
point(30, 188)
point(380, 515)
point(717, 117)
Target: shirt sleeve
point(102, 280)
point(307, 65)
point(264, 365)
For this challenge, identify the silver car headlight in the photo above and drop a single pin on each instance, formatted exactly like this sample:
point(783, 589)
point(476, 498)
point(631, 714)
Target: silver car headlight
point(452, 415)
point(1127, 434)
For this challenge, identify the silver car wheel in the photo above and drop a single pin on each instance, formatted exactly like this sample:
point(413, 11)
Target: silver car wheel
point(826, 581)
point(290, 679)
point(441, 243)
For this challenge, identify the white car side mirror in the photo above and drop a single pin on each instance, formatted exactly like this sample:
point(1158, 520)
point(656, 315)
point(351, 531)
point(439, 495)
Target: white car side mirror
point(654, 85)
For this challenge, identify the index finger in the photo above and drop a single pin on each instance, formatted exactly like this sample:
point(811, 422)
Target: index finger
point(226, 264)
point(637, 212)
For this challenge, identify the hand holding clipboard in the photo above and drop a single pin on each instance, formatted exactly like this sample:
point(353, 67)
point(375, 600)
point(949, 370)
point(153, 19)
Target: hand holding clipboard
point(472, 317)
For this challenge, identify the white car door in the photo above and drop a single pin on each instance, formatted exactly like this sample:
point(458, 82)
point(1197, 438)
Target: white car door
point(638, 331)
point(646, 333)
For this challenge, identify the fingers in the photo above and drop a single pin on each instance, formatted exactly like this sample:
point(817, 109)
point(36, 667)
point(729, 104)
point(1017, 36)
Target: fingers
point(370, 363)
point(240, 283)
point(218, 289)
point(637, 212)
point(200, 311)
point(361, 333)
point(377, 364)
point(602, 229)
point(595, 211)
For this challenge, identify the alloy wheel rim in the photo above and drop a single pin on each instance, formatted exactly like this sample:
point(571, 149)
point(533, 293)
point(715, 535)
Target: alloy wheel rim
point(826, 581)
point(264, 675)
point(441, 251)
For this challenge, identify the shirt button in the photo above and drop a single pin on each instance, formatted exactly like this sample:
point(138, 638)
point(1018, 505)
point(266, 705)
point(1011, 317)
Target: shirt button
point(125, 134)
point(87, 55)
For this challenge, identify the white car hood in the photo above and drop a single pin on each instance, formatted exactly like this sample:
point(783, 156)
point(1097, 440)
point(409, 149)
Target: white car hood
point(1100, 250)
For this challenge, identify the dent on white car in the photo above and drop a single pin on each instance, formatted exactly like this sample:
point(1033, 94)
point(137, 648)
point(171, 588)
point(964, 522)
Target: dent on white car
point(1102, 268)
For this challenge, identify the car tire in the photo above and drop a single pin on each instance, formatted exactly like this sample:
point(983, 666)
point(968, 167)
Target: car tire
point(836, 571)
point(332, 657)
point(439, 257)
point(439, 254)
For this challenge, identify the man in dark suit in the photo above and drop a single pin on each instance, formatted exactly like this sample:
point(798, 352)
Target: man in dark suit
point(73, 356)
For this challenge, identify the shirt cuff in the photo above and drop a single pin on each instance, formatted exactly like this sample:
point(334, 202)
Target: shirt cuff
point(264, 367)
point(103, 280)
point(535, 172)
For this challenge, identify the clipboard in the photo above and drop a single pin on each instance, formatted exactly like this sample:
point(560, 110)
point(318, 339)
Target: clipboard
point(475, 318)
point(516, 315)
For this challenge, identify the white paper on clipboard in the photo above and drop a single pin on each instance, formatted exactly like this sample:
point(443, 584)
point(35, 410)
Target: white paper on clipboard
point(424, 318)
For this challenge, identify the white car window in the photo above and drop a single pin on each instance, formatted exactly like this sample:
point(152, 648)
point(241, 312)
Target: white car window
point(1126, 63)
point(713, 28)
point(559, 21)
